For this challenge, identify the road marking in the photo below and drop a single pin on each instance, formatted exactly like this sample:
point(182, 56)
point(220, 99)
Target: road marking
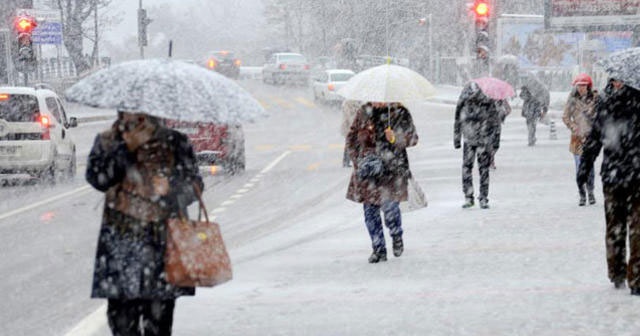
point(43, 202)
point(264, 147)
point(336, 146)
point(227, 202)
point(313, 166)
point(300, 147)
point(217, 210)
point(285, 104)
point(90, 324)
point(305, 102)
point(263, 103)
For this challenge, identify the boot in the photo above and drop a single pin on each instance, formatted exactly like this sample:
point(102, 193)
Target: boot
point(618, 283)
point(592, 198)
point(484, 204)
point(468, 203)
point(377, 257)
point(398, 246)
point(583, 198)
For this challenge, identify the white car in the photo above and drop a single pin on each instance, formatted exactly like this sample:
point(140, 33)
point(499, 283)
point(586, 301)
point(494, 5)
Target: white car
point(327, 83)
point(34, 134)
point(286, 67)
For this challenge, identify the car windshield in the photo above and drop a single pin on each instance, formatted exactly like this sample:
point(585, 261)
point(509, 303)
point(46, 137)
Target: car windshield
point(341, 77)
point(223, 55)
point(292, 58)
point(18, 107)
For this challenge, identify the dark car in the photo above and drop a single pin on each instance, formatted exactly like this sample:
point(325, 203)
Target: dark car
point(224, 62)
point(215, 144)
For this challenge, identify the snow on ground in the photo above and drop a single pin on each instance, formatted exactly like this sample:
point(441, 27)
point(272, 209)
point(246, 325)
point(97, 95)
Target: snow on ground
point(533, 264)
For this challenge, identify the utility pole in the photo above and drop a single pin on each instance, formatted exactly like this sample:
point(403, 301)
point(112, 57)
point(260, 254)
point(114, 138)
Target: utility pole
point(143, 22)
point(95, 19)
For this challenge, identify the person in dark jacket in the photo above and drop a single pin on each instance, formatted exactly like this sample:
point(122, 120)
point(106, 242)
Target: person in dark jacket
point(533, 109)
point(148, 173)
point(377, 142)
point(616, 130)
point(477, 122)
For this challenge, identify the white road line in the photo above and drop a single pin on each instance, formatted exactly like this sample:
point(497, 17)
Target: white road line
point(236, 196)
point(242, 191)
point(249, 185)
point(227, 202)
point(90, 324)
point(98, 319)
point(43, 202)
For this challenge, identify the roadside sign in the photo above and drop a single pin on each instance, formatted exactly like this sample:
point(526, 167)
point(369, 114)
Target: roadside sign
point(589, 15)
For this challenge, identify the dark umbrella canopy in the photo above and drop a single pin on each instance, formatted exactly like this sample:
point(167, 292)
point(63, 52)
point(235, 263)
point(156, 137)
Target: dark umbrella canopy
point(168, 89)
point(537, 89)
point(625, 66)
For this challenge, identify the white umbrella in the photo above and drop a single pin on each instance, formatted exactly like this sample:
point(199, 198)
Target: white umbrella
point(387, 83)
point(168, 89)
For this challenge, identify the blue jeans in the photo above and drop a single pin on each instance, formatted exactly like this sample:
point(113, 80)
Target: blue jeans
point(590, 179)
point(392, 219)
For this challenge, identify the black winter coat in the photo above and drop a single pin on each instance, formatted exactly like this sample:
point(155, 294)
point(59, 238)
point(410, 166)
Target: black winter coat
point(477, 120)
point(616, 130)
point(129, 261)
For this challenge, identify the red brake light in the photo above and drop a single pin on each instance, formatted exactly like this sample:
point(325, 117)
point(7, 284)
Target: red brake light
point(283, 66)
point(307, 67)
point(44, 121)
point(4, 96)
point(331, 87)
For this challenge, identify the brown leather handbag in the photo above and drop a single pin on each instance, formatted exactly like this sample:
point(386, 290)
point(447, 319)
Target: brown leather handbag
point(196, 255)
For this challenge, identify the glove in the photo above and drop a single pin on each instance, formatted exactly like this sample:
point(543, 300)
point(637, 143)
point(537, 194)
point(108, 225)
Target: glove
point(456, 144)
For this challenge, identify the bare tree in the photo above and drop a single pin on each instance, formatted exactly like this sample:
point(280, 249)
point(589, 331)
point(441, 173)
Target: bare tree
point(73, 14)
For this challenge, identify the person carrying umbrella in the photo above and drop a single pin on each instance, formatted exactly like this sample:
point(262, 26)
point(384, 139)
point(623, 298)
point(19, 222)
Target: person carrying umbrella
point(579, 113)
point(616, 130)
point(377, 142)
point(477, 122)
point(149, 174)
point(535, 104)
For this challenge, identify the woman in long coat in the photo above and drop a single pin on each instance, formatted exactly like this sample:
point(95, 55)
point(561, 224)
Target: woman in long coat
point(147, 173)
point(384, 132)
point(579, 113)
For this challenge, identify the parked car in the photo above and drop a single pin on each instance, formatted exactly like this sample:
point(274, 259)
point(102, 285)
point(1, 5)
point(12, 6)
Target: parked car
point(326, 85)
point(215, 144)
point(286, 67)
point(225, 63)
point(34, 134)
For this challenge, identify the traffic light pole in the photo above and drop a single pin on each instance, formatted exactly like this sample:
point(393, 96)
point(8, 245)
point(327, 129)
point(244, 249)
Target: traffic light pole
point(141, 46)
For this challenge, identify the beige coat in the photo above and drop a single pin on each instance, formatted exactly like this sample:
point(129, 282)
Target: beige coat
point(579, 113)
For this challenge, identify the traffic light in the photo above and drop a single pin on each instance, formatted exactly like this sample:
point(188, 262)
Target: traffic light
point(24, 55)
point(482, 13)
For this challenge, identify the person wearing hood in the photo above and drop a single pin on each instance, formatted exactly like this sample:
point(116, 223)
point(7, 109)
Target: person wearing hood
point(477, 123)
point(377, 144)
point(578, 116)
point(616, 130)
point(535, 104)
point(149, 174)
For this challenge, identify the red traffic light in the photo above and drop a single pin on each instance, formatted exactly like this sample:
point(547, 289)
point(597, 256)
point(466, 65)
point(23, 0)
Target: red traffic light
point(481, 8)
point(25, 24)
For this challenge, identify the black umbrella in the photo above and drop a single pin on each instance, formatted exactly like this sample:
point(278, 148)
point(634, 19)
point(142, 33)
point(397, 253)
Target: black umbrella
point(625, 66)
point(537, 89)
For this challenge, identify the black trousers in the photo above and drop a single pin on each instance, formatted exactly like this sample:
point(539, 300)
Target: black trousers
point(469, 154)
point(140, 317)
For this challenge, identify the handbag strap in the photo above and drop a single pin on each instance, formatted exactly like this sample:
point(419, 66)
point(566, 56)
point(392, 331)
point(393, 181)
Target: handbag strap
point(202, 207)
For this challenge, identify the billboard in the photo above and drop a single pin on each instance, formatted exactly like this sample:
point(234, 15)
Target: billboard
point(590, 15)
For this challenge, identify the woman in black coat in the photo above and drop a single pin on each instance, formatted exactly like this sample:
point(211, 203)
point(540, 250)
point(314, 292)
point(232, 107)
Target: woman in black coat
point(147, 173)
point(616, 130)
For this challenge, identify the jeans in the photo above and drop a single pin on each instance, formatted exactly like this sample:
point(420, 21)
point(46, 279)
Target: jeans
point(392, 219)
point(531, 130)
point(140, 317)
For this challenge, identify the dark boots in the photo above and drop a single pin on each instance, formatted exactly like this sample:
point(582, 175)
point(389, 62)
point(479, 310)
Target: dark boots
point(377, 257)
point(468, 203)
point(398, 246)
point(583, 197)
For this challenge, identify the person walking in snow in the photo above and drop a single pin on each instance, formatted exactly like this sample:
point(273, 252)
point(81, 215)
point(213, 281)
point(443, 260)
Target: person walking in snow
point(477, 123)
point(579, 113)
point(533, 109)
point(148, 173)
point(376, 143)
point(616, 130)
point(504, 109)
